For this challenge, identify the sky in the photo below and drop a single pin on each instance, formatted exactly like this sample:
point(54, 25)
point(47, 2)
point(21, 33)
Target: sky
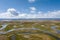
point(29, 9)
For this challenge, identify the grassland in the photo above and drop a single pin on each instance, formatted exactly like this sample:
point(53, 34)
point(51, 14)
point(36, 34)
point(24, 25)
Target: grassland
point(29, 30)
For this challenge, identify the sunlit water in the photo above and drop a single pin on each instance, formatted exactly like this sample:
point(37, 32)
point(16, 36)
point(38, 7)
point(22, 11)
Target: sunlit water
point(53, 27)
point(3, 26)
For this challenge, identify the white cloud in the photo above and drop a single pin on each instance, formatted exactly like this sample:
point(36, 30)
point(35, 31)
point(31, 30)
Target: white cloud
point(13, 13)
point(10, 13)
point(11, 9)
point(32, 9)
point(31, 1)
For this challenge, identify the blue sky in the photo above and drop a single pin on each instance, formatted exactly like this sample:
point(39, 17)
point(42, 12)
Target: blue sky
point(30, 8)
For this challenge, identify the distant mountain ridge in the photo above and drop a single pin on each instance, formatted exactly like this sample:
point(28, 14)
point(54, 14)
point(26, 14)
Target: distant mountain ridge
point(32, 19)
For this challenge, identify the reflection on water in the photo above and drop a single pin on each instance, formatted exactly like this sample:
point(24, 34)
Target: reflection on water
point(3, 26)
point(58, 31)
point(10, 30)
point(13, 37)
point(53, 27)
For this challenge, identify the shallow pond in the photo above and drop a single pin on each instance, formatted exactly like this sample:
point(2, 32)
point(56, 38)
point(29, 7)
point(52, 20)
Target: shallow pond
point(58, 31)
point(53, 27)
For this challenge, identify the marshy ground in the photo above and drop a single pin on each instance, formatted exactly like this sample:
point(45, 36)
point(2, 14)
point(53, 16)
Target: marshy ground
point(23, 30)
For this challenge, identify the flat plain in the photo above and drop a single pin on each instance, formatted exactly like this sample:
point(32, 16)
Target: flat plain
point(30, 30)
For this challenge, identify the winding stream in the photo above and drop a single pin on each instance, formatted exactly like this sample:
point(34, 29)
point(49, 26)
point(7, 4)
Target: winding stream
point(45, 32)
point(3, 26)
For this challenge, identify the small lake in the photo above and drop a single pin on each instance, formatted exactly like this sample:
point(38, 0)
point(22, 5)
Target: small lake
point(58, 31)
point(53, 27)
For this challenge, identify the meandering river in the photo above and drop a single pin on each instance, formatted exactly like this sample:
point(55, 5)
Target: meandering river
point(45, 32)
